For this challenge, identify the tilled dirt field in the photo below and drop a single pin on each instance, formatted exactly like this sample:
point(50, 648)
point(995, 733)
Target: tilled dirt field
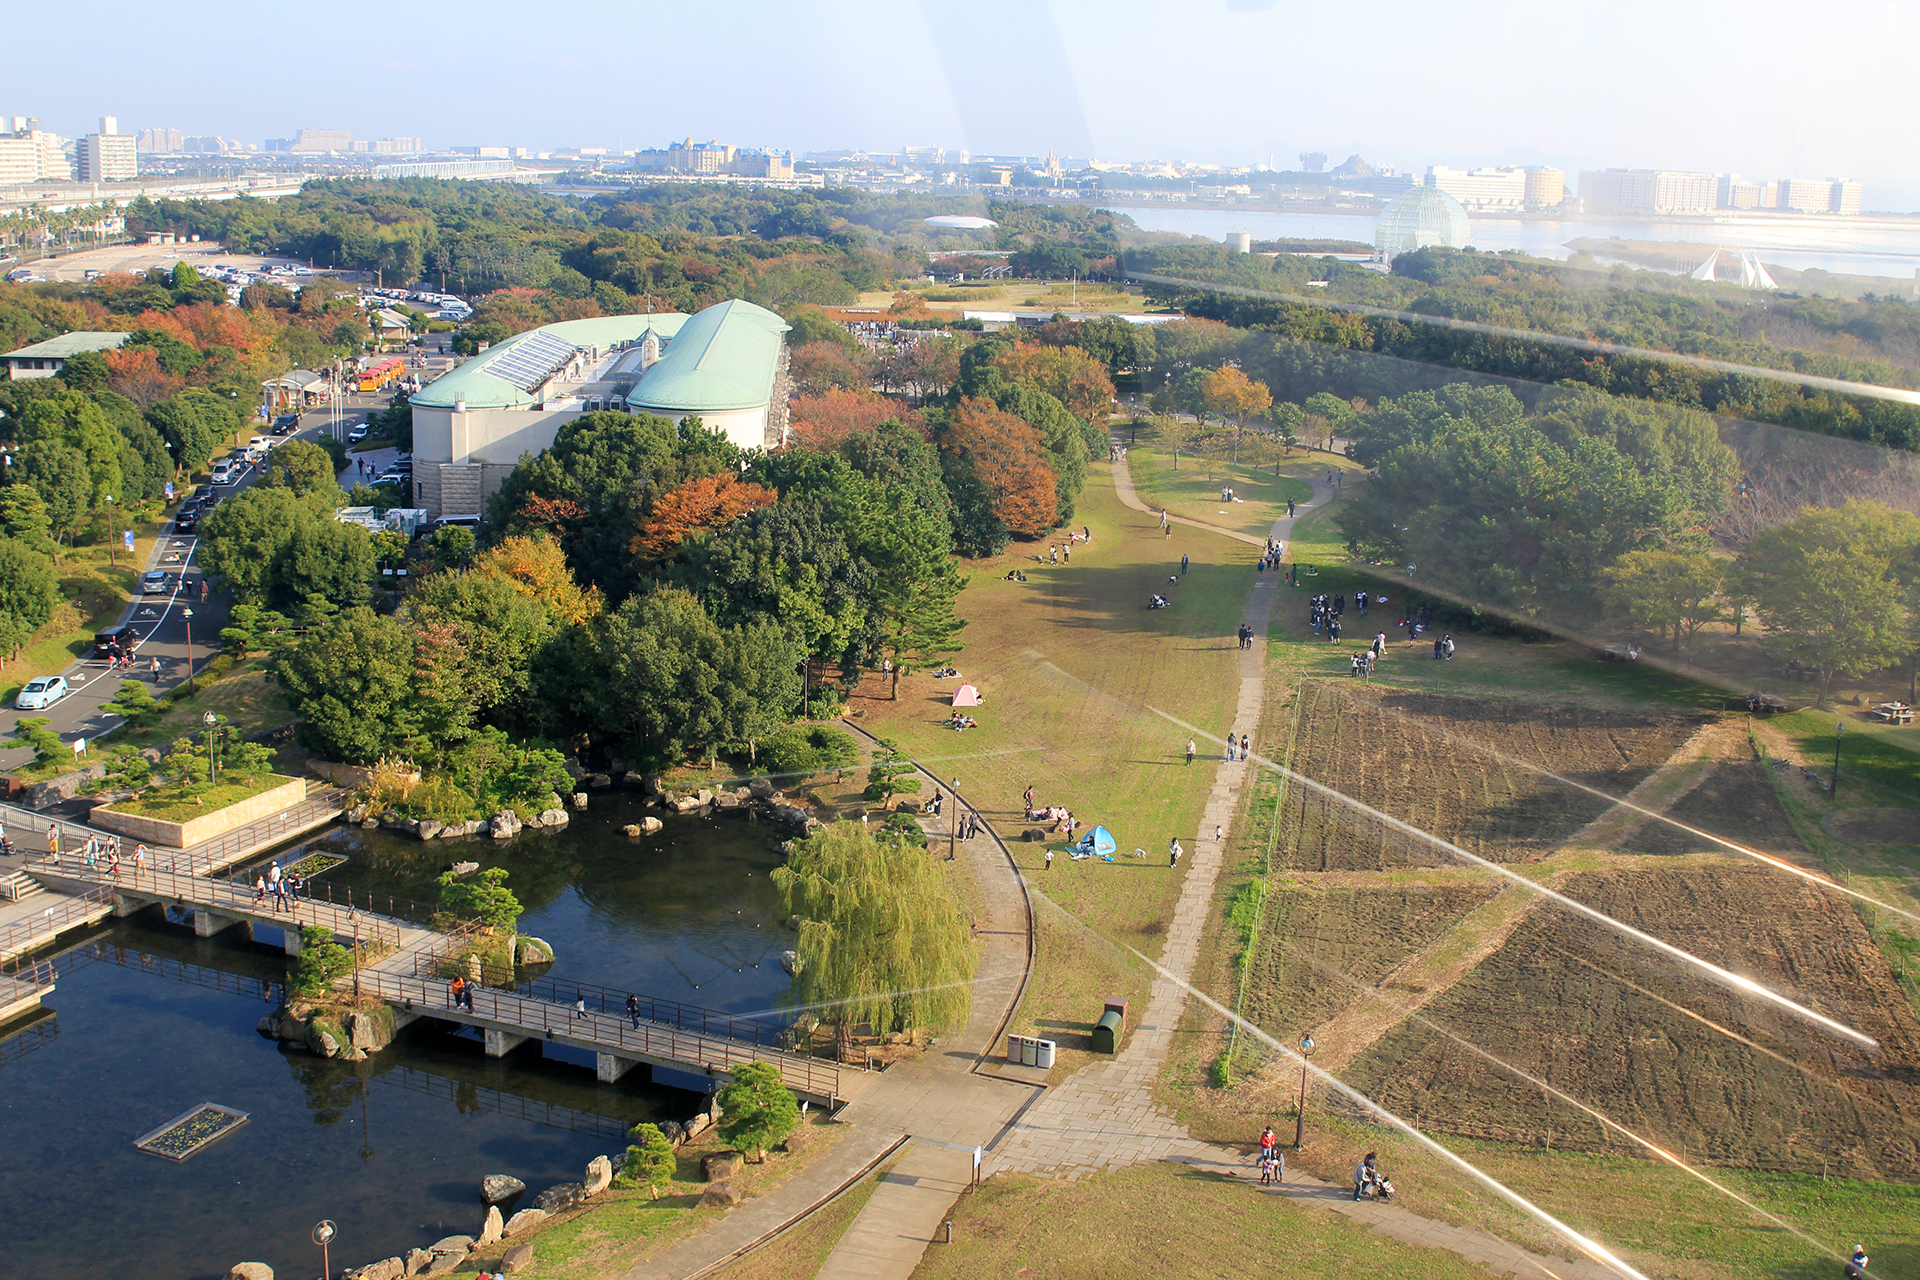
point(1425, 759)
point(1322, 947)
point(1734, 801)
point(1634, 1035)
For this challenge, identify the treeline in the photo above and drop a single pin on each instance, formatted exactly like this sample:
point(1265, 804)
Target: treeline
point(1309, 348)
point(1593, 511)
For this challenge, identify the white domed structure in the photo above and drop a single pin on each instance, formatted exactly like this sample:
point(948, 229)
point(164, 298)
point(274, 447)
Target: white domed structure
point(961, 222)
point(1420, 217)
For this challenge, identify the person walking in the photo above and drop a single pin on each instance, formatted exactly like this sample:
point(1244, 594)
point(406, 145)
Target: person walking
point(153, 668)
point(1191, 752)
point(113, 865)
point(454, 989)
point(1856, 1268)
point(633, 1010)
point(1049, 857)
point(259, 890)
point(1289, 508)
point(1183, 566)
point(139, 860)
point(1218, 834)
point(1174, 851)
point(1163, 518)
point(579, 1005)
point(1244, 746)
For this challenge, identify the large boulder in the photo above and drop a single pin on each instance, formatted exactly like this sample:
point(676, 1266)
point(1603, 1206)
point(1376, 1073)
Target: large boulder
point(535, 950)
point(598, 1177)
point(720, 1195)
point(428, 828)
point(686, 804)
point(504, 825)
point(704, 795)
point(496, 1187)
point(651, 825)
point(579, 800)
point(366, 1031)
point(250, 1271)
point(721, 1165)
point(492, 1228)
point(385, 1269)
point(444, 1264)
point(760, 788)
point(458, 1245)
point(561, 1198)
point(418, 1260)
point(517, 1259)
point(672, 1131)
point(599, 781)
point(524, 1219)
point(554, 817)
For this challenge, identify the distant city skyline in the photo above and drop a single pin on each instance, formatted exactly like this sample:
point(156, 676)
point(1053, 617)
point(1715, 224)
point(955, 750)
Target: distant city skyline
point(1817, 92)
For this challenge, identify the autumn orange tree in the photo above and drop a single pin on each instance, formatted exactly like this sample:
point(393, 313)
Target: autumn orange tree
point(711, 502)
point(1071, 375)
point(822, 366)
point(824, 420)
point(1005, 456)
point(537, 567)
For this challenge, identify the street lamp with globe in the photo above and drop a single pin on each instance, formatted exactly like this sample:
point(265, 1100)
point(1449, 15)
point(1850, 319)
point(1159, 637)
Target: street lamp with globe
point(186, 614)
point(1300, 1121)
point(213, 768)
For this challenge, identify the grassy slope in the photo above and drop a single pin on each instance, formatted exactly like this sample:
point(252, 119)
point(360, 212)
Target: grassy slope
point(1168, 1222)
point(1194, 490)
point(95, 593)
point(1066, 661)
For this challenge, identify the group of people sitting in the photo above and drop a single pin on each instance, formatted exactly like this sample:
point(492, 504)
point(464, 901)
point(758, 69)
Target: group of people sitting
point(1014, 575)
point(961, 722)
point(1157, 601)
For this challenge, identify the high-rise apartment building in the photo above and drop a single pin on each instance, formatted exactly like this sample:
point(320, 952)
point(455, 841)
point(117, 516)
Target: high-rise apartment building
point(167, 141)
point(107, 156)
point(1845, 197)
point(1648, 190)
point(1806, 195)
point(313, 140)
point(1546, 186)
point(28, 154)
point(397, 146)
point(1481, 190)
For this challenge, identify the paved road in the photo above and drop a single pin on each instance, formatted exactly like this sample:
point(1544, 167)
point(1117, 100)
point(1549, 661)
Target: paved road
point(164, 618)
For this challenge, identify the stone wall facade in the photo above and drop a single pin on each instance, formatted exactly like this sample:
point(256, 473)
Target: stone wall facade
point(184, 835)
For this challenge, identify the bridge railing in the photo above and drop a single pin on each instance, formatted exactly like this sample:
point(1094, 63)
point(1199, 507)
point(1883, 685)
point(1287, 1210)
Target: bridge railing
point(613, 1033)
point(26, 934)
point(612, 1001)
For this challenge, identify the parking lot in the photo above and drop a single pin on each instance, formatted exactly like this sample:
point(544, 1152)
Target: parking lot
point(138, 258)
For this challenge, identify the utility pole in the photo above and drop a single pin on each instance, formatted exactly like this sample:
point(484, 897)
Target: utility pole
point(953, 830)
point(1839, 727)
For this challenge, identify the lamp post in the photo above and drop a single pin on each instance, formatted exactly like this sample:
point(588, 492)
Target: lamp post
point(111, 561)
point(953, 831)
point(213, 766)
point(186, 613)
point(323, 1235)
point(1839, 727)
point(1300, 1120)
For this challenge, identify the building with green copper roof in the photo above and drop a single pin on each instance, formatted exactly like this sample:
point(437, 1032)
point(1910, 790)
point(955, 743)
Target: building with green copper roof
point(725, 365)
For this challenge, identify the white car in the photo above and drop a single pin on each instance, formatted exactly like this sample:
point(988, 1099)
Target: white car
point(41, 691)
point(226, 471)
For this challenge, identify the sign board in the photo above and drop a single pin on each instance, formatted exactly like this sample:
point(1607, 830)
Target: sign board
point(127, 537)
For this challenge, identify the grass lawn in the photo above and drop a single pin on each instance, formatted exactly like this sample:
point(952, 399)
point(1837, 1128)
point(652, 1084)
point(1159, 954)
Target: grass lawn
point(244, 695)
point(169, 805)
point(1168, 1222)
point(1194, 490)
point(1021, 294)
point(623, 1228)
point(802, 1250)
point(94, 591)
point(1066, 661)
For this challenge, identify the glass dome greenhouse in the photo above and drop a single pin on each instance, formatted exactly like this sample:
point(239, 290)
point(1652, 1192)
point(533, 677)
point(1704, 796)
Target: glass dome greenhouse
point(1420, 217)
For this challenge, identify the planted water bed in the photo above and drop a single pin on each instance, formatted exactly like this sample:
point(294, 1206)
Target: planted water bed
point(149, 1022)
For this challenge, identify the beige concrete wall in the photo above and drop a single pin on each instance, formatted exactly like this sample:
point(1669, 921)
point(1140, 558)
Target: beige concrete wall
point(184, 835)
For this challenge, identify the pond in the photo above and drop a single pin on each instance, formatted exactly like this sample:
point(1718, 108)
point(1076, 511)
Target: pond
point(148, 1021)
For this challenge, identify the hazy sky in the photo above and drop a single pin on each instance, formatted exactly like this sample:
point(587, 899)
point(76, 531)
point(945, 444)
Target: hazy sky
point(1766, 89)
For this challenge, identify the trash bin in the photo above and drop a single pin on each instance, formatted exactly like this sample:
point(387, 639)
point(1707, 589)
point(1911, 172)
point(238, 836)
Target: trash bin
point(1043, 1055)
point(1106, 1033)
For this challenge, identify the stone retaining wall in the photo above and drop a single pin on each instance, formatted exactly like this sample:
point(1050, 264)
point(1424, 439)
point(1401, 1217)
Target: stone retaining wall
point(184, 835)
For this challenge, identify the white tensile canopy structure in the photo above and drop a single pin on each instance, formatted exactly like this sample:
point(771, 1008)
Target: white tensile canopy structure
point(1752, 274)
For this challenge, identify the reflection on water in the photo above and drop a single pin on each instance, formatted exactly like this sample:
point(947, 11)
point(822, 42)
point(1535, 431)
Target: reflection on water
point(148, 1021)
point(1841, 245)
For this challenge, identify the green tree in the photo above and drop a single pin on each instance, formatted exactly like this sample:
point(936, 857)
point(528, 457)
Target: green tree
point(84, 371)
point(194, 424)
point(46, 744)
point(304, 468)
point(1667, 590)
point(883, 940)
point(352, 683)
point(890, 773)
point(650, 1161)
point(321, 960)
point(664, 669)
point(1175, 434)
point(482, 896)
point(756, 1111)
point(29, 588)
point(134, 703)
point(24, 515)
point(1828, 585)
point(799, 751)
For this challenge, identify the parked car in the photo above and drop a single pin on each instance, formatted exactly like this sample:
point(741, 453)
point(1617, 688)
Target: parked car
point(41, 691)
point(187, 520)
point(156, 583)
point(358, 433)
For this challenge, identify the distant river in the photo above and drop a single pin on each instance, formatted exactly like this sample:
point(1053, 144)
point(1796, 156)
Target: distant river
point(1861, 247)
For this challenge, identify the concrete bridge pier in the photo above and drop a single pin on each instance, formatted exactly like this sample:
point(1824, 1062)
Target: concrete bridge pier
point(124, 906)
point(207, 923)
point(611, 1066)
point(293, 945)
point(501, 1043)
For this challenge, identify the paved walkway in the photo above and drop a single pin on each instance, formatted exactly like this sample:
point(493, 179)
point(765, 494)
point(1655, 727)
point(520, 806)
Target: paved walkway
point(1104, 1116)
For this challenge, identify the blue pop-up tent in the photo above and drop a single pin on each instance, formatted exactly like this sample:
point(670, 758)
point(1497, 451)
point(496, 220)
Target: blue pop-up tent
point(1098, 842)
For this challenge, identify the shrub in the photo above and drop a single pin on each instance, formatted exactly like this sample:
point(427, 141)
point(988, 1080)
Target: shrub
point(801, 750)
point(907, 827)
point(485, 897)
point(321, 960)
point(650, 1161)
point(756, 1110)
point(437, 797)
point(45, 742)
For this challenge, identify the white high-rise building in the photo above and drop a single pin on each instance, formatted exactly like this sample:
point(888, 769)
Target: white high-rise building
point(1649, 190)
point(29, 154)
point(107, 156)
point(1482, 190)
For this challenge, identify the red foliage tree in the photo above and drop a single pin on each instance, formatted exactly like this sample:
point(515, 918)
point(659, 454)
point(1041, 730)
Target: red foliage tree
point(1007, 458)
point(136, 374)
point(1074, 377)
point(822, 366)
point(823, 421)
point(711, 502)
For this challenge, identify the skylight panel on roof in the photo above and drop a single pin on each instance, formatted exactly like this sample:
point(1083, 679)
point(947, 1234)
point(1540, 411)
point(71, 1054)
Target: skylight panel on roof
point(532, 360)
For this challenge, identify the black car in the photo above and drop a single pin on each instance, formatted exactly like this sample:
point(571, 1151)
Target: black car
point(286, 424)
point(187, 521)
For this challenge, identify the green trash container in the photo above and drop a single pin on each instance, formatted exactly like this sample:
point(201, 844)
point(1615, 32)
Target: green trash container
point(1106, 1033)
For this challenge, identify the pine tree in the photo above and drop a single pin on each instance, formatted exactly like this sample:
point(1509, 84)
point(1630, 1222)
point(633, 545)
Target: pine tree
point(650, 1161)
point(756, 1110)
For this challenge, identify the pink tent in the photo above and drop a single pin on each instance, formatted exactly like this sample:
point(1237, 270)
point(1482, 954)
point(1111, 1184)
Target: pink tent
point(966, 696)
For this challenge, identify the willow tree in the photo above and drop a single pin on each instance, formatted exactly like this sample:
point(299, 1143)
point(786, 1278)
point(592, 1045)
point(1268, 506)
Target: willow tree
point(883, 940)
